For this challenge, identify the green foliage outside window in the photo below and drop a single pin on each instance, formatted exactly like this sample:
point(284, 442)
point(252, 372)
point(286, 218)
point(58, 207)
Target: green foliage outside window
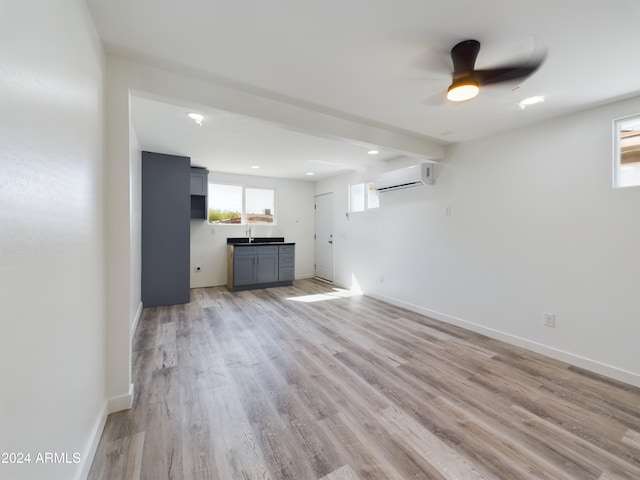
point(224, 216)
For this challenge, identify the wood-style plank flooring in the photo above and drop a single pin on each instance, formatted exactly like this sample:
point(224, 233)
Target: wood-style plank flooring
point(303, 382)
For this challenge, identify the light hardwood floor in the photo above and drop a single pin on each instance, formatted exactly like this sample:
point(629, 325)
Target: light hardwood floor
point(301, 383)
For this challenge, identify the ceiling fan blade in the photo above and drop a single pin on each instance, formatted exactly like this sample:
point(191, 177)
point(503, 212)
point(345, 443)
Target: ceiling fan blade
point(465, 76)
point(464, 56)
point(435, 100)
point(506, 74)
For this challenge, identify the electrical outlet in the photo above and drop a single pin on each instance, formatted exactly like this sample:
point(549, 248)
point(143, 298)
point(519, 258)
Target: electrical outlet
point(197, 268)
point(549, 320)
point(447, 212)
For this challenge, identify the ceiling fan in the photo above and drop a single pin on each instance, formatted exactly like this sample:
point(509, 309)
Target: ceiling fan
point(467, 81)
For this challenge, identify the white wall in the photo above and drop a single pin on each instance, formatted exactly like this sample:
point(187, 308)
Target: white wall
point(135, 226)
point(294, 218)
point(52, 300)
point(122, 252)
point(535, 227)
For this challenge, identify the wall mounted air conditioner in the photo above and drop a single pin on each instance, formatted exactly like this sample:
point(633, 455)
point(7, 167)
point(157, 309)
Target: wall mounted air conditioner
point(407, 177)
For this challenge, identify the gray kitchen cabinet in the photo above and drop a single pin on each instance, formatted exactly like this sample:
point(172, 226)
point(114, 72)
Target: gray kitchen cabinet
point(165, 229)
point(199, 191)
point(199, 181)
point(260, 266)
point(286, 262)
point(244, 266)
point(267, 264)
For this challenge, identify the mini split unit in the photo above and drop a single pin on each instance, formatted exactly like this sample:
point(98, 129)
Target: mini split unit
point(407, 177)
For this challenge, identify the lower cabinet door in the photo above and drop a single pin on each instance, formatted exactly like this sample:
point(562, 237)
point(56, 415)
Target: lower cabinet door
point(244, 270)
point(267, 270)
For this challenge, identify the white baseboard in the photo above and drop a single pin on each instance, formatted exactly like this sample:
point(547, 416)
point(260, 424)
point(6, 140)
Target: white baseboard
point(304, 276)
point(122, 402)
point(90, 450)
point(568, 357)
point(136, 319)
point(111, 405)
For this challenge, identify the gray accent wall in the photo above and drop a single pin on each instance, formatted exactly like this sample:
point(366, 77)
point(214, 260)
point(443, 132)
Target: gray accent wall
point(165, 229)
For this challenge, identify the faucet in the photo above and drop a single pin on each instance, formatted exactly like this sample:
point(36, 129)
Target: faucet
point(248, 232)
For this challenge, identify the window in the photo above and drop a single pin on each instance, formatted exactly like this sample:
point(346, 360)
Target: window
point(356, 197)
point(225, 203)
point(260, 205)
point(626, 171)
point(373, 201)
point(236, 204)
point(362, 196)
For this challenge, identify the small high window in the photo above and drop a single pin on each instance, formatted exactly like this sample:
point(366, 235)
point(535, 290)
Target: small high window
point(362, 196)
point(626, 169)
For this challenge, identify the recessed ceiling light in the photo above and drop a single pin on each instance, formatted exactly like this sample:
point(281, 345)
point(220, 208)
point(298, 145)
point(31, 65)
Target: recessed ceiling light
point(309, 173)
point(530, 101)
point(196, 117)
point(255, 167)
point(373, 152)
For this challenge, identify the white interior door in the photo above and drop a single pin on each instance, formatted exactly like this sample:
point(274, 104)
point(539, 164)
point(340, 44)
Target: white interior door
point(324, 236)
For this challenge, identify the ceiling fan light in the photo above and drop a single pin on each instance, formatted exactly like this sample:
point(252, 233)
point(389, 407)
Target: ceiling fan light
point(459, 92)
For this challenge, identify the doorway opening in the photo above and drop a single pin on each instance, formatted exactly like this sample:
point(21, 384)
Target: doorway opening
point(324, 237)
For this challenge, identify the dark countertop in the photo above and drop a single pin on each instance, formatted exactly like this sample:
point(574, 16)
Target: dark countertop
point(244, 241)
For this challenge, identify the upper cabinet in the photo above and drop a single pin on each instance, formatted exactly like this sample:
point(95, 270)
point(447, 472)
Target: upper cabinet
point(199, 178)
point(199, 189)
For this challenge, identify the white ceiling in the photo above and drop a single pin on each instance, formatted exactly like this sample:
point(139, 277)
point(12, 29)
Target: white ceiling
point(380, 62)
point(233, 143)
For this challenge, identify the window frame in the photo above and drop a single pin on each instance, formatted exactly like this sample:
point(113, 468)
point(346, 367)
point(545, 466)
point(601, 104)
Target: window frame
point(367, 207)
point(617, 176)
point(244, 205)
point(243, 212)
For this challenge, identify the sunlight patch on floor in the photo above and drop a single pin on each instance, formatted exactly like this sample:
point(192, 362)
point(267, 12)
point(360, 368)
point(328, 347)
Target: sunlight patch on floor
point(337, 293)
point(319, 297)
